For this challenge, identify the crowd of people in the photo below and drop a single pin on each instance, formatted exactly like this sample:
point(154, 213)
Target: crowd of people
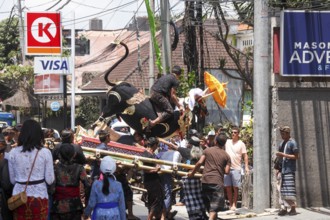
point(58, 186)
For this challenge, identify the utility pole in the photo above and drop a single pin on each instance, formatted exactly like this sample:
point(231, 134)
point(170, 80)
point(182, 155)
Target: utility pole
point(73, 75)
point(199, 18)
point(166, 44)
point(261, 111)
point(21, 31)
point(151, 53)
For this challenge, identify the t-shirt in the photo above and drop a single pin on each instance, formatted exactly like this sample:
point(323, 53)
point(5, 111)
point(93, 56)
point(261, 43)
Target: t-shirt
point(216, 160)
point(164, 84)
point(172, 156)
point(235, 151)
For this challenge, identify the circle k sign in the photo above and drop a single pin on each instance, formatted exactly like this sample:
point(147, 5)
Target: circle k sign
point(43, 33)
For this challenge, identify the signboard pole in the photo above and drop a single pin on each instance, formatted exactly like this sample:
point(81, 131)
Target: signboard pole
point(73, 77)
point(65, 106)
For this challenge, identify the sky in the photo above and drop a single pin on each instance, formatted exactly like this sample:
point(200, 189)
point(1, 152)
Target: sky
point(115, 14)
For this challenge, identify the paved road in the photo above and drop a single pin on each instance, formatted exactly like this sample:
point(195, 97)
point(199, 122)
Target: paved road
point(303, 214)
point(141, 211)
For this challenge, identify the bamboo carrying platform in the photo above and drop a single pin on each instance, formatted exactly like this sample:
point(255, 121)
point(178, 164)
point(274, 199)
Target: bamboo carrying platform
point(132, 157)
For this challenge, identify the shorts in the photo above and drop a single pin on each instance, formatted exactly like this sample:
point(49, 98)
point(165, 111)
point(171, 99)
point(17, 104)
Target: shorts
point(233, 178)
point(213, 197)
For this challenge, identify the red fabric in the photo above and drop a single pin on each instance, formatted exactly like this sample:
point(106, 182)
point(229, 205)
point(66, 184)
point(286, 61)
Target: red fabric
point(34, 209)
point(66, 192)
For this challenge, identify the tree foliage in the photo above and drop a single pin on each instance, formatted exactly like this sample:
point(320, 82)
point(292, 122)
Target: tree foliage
point(9, 42)
point(242, 61)
point(187, 82)
point(300, 4)
point(87, 110)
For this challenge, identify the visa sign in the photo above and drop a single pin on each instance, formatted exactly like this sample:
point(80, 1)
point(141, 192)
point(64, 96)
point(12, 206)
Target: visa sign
point(55, 65)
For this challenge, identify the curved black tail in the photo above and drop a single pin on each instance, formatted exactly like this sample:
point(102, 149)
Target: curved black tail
point(115, 65)
point(176, 36)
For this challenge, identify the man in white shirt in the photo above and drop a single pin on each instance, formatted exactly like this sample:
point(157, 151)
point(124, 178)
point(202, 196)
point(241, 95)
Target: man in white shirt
point(236, 150)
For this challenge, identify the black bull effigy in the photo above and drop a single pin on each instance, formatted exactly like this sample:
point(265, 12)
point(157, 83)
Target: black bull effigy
point(127, 102)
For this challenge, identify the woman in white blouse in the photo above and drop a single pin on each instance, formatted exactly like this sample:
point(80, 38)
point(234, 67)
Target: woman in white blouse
point(30, 146)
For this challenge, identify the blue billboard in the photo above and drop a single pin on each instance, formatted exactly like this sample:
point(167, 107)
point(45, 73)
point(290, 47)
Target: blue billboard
point(305, 43)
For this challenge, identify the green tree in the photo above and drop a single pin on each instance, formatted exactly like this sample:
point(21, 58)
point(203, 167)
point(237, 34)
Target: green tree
point(86, 113)
point(9, 42)
point(300, 4)
point(187, 82)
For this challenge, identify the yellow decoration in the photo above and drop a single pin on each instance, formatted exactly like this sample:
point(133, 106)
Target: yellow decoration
point(218, 89)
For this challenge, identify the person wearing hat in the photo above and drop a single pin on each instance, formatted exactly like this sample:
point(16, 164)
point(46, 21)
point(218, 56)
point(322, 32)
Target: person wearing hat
point(163, 94)
point(68, 176)
point(216, 163)
point(210, 138)
point(107, 199)
point(288, 153)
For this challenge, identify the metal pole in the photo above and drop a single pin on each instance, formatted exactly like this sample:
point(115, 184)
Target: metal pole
point(65, 98)
point(21, 31)
point(151, 54)
point(261, 99)
point(73, 76)
point(166, 45)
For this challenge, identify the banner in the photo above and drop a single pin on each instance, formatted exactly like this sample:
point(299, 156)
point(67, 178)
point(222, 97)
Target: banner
point(152, 25)
point(48, 84)
point(305, 43)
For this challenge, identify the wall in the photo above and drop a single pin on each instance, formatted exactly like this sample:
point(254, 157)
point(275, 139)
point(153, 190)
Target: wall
point(233, 111)
point(305, 107)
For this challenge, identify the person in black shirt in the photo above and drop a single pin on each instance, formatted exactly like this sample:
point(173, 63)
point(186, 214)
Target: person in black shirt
point(163, 93)
point(151, 180)
point(67, 136)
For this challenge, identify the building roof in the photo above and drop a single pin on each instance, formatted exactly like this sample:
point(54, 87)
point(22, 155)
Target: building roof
point(102, 52)
point(128, 70)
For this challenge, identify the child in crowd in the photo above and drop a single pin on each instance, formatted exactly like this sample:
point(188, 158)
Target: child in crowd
point(106, 200)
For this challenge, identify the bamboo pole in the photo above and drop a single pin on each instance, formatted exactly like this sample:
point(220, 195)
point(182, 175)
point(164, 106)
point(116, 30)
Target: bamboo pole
point(138, 158)
point(138, 188)
point(138, 166)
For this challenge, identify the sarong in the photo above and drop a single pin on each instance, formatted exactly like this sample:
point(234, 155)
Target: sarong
point(34, 209)
point(213, 197)
point(193, 198)
point(155, 194)
point(288, 187)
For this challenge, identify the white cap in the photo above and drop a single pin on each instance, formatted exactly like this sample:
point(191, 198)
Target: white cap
point(108, 165)
point(211, 132)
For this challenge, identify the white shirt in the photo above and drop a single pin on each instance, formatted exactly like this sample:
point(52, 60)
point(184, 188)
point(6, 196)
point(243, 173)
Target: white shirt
point(235, 151)
point(19, 166)
point(170, 155)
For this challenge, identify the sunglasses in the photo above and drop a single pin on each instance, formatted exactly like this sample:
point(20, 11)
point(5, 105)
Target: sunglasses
point(234, 132)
